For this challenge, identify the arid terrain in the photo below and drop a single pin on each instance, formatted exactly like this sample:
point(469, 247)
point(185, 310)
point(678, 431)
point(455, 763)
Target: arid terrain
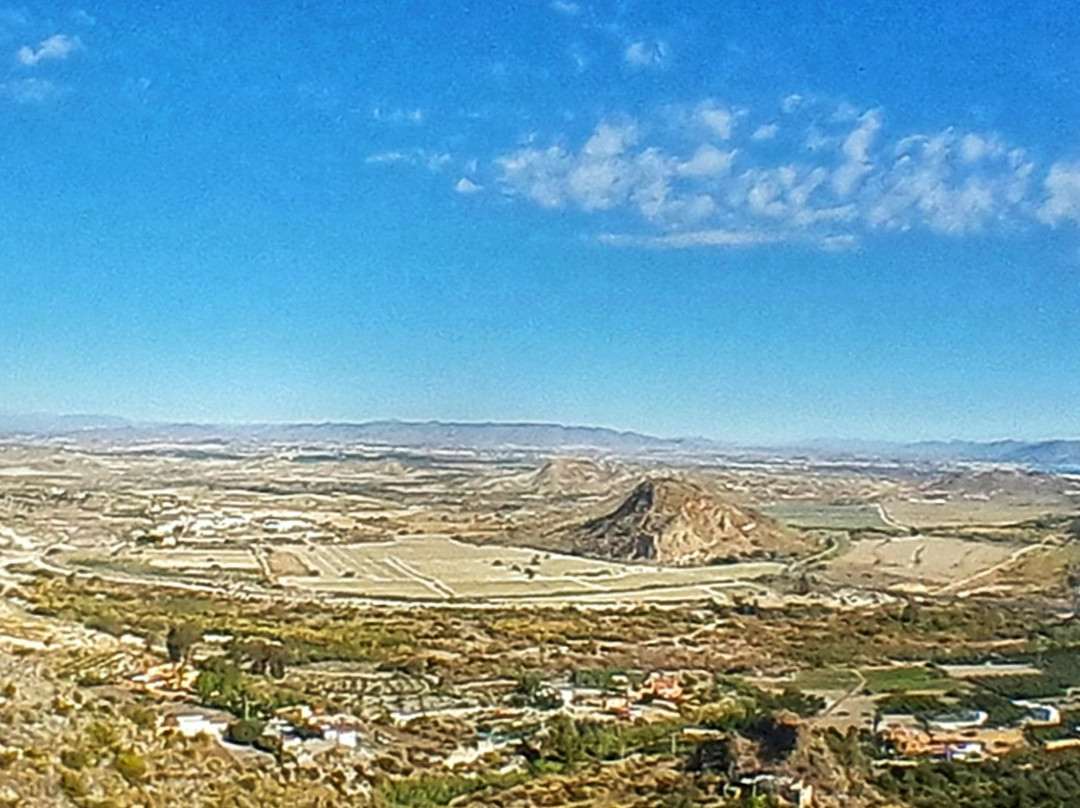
point(280, 621)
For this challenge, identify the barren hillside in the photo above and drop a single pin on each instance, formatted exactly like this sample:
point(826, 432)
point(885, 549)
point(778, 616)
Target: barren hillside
point(681, 524)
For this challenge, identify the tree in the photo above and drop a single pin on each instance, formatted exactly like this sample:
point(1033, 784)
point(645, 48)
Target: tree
point(564, 740)
point(277, 658)
point(181, 639)
point(246, 732)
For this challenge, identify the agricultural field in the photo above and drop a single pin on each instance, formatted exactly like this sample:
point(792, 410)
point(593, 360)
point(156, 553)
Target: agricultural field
point(905, 679)
point(435, 568)
point(922, 561)
point(814, 514)
point(430, 568)
point(926, 514)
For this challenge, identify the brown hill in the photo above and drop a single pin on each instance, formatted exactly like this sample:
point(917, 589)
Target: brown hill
point(1002, 483)
point(575, 475)
point(679, 523)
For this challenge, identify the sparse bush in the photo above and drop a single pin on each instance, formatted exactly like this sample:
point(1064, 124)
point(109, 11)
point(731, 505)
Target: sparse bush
point(77, 758)
point(131, 765)
point(107, 623)
point(73, 784)
point(246, 732)
point(100, 735)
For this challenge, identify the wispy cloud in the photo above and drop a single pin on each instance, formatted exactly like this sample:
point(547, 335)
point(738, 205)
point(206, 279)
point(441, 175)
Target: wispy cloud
point(856, 150)
point(433, 161)
point(716, 118)
point(30, 91)
point(767, 131)
point(467, 186)
point(707, 161)
point(941, 182)
point(84, 18)
point(396, 115)
point(56, 47)
point(566, 8)
point(695, 238)
point(827, 177)
point(643, 53)
point(1062, 186)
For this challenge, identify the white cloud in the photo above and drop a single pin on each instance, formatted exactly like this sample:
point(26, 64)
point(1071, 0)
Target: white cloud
point(718, 119)
point(1063, 194)
point(766, 131)
point(791, 103)
point(609, 140)
point(791, 195)
point(674, 176)
point(707, 161)
point(599, 177)
point(58, 46)
point(646, 54)
point(974, 148)
point(856, 151)
point(931, 183)
point(566, 8)
point(467, 186)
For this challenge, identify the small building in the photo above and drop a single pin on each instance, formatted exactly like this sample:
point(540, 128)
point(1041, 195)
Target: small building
point(663, 687)
point(193, 724)
point(964, 751)
point(966, 745)
point(342, 730)
point(342, 734)
point(166, 680)
point(788, 790)
point(1062, 743)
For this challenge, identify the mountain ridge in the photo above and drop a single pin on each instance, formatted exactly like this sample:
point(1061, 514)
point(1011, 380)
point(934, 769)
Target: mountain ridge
point(1051, 454)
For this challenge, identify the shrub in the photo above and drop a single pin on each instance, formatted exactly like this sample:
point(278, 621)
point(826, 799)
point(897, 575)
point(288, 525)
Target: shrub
point(131, 765)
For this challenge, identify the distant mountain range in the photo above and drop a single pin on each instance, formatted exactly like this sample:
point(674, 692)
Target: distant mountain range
point(1051, 454)
point(538, 437)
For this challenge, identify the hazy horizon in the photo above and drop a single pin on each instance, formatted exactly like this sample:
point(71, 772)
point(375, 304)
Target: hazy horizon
point(805, 440)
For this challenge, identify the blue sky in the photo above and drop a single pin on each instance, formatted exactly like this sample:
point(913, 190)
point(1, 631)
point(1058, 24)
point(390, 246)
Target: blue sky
point(749, 221)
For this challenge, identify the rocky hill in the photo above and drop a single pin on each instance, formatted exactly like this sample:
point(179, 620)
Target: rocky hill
point(679, 523)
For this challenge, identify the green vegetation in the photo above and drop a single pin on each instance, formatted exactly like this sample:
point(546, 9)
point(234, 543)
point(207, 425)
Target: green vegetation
point(531, 691)
point(570, 743)
point(919, 705)
point(131, 765)
point(1036, 781)
point(1001, 711)
point(905, 679)
point(180, 640)
point(603, 678)
point(811, 514)
point(421, 791)
point(827, 679)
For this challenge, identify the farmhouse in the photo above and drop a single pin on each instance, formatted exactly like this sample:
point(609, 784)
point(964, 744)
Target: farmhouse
point(168, 680)
point(193, 723)
point(909, 741)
